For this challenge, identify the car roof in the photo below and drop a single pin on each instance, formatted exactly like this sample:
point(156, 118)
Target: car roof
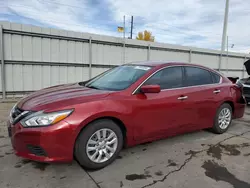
point(163, 63)
point(152, 63)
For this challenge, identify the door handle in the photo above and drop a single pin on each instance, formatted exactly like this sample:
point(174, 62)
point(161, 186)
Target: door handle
point(216, 91)
point(182, 98)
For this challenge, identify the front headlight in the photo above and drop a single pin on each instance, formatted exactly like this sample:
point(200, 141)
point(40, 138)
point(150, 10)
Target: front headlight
point(44, 119)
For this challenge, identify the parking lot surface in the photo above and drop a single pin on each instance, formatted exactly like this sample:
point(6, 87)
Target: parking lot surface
point(199, 159)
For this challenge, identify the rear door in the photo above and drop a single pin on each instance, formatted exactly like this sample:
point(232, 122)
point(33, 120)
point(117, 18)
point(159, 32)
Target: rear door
point(203, 91)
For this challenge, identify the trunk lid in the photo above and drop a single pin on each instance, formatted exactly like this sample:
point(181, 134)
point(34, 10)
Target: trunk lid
point(247, 66)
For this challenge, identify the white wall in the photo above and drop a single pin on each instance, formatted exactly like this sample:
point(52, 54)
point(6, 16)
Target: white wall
point(34, 62)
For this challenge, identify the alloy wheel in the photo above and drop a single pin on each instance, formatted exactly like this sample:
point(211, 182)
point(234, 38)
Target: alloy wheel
point(224, 118)
point(102, 145)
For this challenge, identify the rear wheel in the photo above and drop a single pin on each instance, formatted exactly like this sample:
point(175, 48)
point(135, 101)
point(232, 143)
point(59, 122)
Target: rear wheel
point(98, 144)
point(223, 118)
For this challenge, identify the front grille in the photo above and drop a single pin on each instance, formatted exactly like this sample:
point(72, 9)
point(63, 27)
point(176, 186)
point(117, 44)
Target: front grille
point(246, 90)
point(36, 150)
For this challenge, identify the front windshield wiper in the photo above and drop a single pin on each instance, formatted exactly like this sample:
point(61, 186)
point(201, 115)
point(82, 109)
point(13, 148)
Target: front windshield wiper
point(92, 87)
point(82, 83)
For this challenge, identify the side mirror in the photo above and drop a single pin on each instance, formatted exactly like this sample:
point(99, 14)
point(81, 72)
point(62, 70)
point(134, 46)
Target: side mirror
point(150, 89)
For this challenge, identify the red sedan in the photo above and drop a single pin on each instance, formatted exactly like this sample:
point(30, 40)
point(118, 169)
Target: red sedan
point(125, 106)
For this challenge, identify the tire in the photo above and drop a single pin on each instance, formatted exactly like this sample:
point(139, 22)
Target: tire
point(218, 128)
point(90, 134)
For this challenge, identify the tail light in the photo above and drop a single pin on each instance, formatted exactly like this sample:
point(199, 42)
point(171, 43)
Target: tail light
point(238, 87)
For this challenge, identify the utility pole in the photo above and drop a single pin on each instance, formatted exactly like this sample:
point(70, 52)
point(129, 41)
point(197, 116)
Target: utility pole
point(124, 30)
point(124, 20)
point(224, 35)
point(131, 28)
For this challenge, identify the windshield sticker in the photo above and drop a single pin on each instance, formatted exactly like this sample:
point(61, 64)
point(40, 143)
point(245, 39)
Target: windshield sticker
point(142, 68)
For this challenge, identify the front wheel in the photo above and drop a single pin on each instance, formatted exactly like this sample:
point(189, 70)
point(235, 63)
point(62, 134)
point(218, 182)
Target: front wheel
point(98, 144)
point(223, 118)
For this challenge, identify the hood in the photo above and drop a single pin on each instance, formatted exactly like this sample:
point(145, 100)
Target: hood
point(247, 65)
point(60, 96)
point(245, 81)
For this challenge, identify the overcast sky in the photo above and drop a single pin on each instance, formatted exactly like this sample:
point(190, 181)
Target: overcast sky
point(196, 23)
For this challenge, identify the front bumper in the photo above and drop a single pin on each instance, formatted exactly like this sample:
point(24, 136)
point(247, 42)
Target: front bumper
point(45, 144)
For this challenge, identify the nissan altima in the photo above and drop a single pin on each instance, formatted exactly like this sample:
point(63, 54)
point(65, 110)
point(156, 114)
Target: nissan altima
point(134, 103)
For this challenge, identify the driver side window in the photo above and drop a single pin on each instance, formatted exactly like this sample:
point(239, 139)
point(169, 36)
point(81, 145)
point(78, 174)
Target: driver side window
point(167, 78)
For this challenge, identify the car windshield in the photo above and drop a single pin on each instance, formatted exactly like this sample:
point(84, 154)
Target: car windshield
point(118, 78)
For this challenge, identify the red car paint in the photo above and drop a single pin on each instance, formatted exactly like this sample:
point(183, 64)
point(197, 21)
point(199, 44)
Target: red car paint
point(146, 117)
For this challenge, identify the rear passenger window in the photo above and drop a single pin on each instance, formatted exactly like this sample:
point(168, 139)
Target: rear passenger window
point(216, 77)
point(196, 76)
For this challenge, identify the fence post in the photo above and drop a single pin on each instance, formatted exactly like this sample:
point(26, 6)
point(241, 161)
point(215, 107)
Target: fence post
point(2, 63)
point(148, 53)
point(243, 69)
point(190, 56)
point(124, 52)
point(90, 57)
point(220, 60)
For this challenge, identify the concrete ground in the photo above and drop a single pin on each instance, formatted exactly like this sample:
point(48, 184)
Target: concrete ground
point(200, 159)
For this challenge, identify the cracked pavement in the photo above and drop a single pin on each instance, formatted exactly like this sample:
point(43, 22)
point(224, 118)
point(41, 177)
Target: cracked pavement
point(199, 159)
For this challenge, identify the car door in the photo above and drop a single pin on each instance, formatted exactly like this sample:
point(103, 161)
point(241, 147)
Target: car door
point(160, 114)
point(203, 94)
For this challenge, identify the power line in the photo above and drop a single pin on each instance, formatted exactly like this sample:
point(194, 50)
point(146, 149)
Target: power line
point(200, 16)
point(162, 32)
point(150, 25)
point(111, 23)
point(57, 3)
point(181, 30)
point(99, 28)
point(80, 25)
point(164, 35)
point(160, 23)
point(190, 34)
point(169, 32)
point(29, 9)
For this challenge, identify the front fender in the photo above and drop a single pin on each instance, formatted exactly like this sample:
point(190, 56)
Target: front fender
point(89, 112)
point(104, 114)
